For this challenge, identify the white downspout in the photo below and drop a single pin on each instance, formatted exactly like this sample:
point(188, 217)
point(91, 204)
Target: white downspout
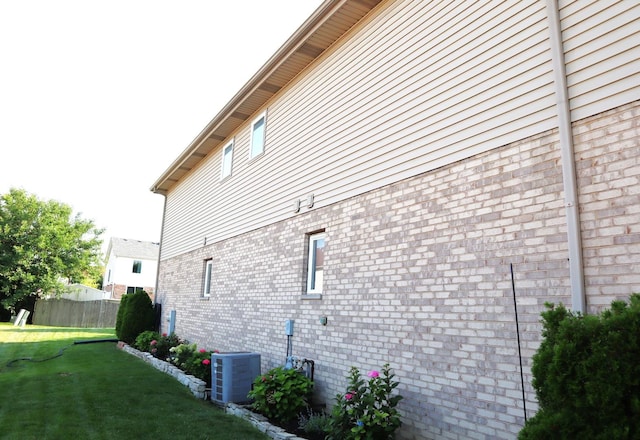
point(164, 210)
point(576, 267)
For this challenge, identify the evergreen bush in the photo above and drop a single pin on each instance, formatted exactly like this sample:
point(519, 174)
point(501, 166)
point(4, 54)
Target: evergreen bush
point(587, 374)
point(120, 314)
point(137, 316)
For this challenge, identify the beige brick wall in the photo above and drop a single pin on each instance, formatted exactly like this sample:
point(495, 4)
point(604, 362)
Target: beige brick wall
point(608, 166)
point(418, 275)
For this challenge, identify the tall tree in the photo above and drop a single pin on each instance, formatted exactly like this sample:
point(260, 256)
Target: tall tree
point(42, 246)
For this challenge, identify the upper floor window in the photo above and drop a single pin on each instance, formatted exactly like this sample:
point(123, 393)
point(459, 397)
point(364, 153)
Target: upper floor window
point(258, 129)
point(137, 266)
point(315, 263)
point(206, 288)
point(227, 160)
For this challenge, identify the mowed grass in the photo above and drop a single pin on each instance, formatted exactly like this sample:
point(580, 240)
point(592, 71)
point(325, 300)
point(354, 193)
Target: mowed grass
point(96, 391)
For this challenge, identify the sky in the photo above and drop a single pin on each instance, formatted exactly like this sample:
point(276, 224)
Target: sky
point(97, 98)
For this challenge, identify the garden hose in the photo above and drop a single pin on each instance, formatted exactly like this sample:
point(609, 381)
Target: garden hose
point(60, 353)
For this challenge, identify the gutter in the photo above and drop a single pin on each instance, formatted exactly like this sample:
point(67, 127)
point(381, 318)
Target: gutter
point(574, 238)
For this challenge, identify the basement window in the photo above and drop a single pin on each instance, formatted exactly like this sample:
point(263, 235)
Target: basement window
point(315, 263)
point(206, 287)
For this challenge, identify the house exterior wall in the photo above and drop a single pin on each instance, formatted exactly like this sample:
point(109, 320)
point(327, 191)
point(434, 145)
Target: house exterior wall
point(415, 87)
point(428, 137)
point(119, 275)
point(417, 274)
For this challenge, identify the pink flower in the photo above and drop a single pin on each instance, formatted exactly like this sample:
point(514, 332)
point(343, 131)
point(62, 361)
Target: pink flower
point(373, 373)
point(202, 350)
point(264, 379)
point(164, 335)
point(206, 361)
point(348, 396)
point(154, 342)
point(216, 351)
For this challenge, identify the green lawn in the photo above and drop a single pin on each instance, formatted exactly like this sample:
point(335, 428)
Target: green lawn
point(96, 391)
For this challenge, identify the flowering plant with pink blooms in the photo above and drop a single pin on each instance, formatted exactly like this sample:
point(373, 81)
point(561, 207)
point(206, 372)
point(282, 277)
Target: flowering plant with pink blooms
point(193, 361)
point(281, 394)
point(367, 410)
point(157, 344)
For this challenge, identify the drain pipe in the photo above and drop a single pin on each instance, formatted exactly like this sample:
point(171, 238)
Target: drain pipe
point(576, 268)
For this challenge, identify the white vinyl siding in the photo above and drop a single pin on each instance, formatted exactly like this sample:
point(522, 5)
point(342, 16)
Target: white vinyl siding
point(416, 88)
point(601, 42)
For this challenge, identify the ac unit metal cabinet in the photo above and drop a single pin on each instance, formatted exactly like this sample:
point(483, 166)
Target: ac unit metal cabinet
point(232, 375)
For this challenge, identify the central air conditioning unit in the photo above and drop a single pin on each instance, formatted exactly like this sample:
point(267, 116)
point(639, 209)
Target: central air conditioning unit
point(232, 375)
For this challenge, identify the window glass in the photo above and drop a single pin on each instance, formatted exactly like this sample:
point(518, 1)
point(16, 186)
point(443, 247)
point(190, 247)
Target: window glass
point(315, 263)
point(206, 291)
point(257, 136)
point(227, 160)
point(137, 266)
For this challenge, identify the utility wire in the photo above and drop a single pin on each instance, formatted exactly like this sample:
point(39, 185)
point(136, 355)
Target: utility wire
point(515, 306)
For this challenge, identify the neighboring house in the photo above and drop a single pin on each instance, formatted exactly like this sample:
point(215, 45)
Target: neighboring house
point(80, 292)
point(378, 177)
point(131, 265)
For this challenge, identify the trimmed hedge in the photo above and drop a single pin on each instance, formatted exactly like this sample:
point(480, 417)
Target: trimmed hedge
point(135, 316)
point(587, 375)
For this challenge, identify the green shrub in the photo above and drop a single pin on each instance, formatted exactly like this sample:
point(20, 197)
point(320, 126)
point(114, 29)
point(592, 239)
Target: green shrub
point(193, 361)
point(144, 339)
point(121, 310)
point(137, 316)
point(164, 344)
point(587, 375)
point(180, 354)
point(368, 409)
point(281, 394)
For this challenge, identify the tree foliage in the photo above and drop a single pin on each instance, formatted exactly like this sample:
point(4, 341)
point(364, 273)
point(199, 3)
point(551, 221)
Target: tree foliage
point(43, 245)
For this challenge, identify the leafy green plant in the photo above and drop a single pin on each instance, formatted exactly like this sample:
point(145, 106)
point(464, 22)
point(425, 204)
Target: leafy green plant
point(180, 354)
point(157, 344)
point(143, 340)
point(368, 408)
point(192, 360)
point(281, 394)
point(587, 375)
point(163, 344)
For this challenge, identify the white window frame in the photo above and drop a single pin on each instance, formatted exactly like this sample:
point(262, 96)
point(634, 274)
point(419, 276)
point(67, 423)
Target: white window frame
point(226, 166)
point(208, 272)
point(313, 286)
point(262, 116)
